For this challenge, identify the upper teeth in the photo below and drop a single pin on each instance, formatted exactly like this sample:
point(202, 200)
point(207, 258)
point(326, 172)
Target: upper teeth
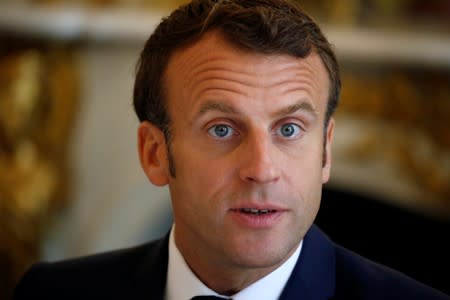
point(255, 210)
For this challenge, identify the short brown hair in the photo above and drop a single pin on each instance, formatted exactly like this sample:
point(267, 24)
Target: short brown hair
point(265, 26)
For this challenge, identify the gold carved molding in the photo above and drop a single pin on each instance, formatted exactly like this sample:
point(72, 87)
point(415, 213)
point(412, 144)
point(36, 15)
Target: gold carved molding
point(38, 103)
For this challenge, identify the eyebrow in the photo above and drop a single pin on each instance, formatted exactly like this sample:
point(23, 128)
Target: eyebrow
point(217, 106)
point(299, 106)
point(225, 108)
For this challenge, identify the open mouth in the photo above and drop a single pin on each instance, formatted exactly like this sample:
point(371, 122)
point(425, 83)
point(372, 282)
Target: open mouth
point(258, 217)
point(255, 211)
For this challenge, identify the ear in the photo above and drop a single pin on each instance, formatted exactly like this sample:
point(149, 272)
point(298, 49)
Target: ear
point(326, 169)
point(153, 153)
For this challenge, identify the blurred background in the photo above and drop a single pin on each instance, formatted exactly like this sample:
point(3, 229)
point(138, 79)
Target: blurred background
point(70, 181)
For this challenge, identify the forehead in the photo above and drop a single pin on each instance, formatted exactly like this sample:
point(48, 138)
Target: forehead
point(213, 57)
point(213, 42)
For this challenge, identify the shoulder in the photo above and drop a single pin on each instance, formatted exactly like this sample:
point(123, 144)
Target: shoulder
point(360, 278)
point(99, 272)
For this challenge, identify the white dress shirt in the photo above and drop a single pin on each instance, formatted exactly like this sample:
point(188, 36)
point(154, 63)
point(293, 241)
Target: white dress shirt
point(183, 284)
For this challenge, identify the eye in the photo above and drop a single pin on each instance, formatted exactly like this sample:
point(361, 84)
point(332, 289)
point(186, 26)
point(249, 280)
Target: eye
point(221, 131)
point(289, 130)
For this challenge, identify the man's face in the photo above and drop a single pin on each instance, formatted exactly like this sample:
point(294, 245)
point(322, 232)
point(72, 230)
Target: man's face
point(247, 145)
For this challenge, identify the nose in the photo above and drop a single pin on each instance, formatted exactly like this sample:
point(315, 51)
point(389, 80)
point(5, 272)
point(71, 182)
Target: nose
point(258, 160)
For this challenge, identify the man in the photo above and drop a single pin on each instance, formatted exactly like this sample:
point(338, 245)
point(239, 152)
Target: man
point(235, 100)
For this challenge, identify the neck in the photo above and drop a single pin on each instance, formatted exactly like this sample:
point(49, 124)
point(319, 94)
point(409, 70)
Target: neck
point(223, 279)
point(224, 275)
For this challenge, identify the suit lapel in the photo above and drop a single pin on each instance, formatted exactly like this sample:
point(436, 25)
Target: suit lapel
point(150, 278)
point(314, 275)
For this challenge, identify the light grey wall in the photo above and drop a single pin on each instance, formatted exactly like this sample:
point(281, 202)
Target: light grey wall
point(113, 203)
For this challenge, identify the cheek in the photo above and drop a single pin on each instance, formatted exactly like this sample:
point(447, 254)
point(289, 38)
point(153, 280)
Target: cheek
point(198, 180)
point(306, 162)
point(304, 175)
point(307, 186)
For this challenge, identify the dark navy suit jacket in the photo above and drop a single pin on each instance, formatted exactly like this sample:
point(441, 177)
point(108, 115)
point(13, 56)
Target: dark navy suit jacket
point(323, 271)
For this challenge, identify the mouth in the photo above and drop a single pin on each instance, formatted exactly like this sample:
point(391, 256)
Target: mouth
point(255, 211)
point(257, 217)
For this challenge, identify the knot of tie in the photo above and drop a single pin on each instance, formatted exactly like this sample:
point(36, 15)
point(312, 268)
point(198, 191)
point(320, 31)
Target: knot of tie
point(209, 298)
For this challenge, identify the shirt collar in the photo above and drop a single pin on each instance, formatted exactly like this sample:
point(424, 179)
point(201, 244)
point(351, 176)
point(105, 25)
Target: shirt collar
point(183, 284)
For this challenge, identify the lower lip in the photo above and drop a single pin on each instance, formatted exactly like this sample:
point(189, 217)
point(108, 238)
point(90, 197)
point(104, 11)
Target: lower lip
point(256, 221)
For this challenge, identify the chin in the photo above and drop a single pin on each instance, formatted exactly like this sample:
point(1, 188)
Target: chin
point(260, 257)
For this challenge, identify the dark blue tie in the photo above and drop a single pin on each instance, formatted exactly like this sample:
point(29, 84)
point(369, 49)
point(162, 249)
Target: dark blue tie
point(209, 298)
